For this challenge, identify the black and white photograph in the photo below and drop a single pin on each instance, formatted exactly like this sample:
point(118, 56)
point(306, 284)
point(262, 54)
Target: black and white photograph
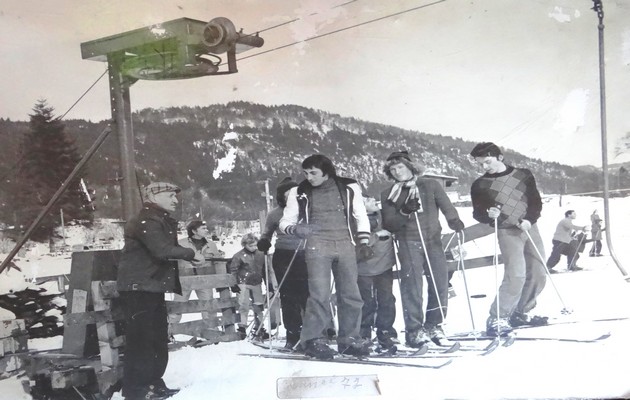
point(314, 199)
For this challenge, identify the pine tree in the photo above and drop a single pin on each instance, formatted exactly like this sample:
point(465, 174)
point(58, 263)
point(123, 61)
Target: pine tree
point(49, 154)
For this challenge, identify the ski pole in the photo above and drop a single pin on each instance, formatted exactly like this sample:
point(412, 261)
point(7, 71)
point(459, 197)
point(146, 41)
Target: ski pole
point(460, 264)
point(277, 293)
point(397, 262)
point(564, 310)
point(426, 255)
point(577, 250)
point(496, 274)
point(268, 303)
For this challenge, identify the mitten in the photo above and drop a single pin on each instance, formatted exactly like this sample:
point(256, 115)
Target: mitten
point(364, 252)
point(300, 230)
point(456, 224)
point(264, 245)
point(410, 206)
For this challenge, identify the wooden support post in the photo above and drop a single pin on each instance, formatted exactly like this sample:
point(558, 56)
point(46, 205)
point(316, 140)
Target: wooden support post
point(106, 331)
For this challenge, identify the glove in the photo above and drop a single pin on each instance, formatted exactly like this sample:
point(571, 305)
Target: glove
point(525, 225)
point(301, 231)
point(410, 206)
point(456, 224)
point(235, 289)
point(264, 245)
point(364, 252)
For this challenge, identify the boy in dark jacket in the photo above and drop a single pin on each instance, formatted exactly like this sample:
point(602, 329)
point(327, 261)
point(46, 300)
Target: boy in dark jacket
point(148, 269)
point(376, 280)
point(248, 266)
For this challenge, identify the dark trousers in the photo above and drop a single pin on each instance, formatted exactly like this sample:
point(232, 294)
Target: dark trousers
point(294, 289)
point(146, 331)
point(413, 266)
point(379, 305)
point(559, 249)
point(597, 248)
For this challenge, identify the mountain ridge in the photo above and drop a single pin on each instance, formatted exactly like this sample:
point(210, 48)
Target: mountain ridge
point(187, 145)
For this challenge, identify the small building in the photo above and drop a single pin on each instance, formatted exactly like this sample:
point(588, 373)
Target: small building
point(449, 184)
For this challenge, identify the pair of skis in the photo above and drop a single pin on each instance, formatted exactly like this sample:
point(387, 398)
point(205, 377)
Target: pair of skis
point(375, 360)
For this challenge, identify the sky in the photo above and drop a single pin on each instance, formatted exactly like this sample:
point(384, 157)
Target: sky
point(525, 370)
point(524, 74)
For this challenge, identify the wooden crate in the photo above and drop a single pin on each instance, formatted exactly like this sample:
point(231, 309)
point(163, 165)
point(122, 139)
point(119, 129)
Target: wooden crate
point(13, 343)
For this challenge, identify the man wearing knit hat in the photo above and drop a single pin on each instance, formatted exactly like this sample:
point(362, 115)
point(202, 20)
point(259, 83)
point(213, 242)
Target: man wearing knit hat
point(288, 259)
point(411, 208)
point(147, 270)
point(507, 198)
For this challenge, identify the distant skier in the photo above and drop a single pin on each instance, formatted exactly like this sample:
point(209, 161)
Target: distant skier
point(507, 197)
point(596, 233)
point(288, 254)
point(328, 211)
point(564, 243)
point(411, 208)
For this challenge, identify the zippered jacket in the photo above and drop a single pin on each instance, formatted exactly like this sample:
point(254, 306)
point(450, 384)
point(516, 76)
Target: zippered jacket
point(298, 208)
point(148, 260)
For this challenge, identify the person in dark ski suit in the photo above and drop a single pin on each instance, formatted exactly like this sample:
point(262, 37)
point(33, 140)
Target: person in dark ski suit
point(507, 197)
point(148, 269)
point(410, 210)
point(328, 211)
point(288, 255)
point(376, 279)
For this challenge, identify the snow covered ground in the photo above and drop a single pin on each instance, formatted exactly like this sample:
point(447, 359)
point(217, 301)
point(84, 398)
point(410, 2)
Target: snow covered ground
point(536, 369)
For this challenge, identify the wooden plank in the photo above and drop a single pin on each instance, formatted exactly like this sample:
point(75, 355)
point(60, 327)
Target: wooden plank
point(79, 301)
point(75, 377)
point(10, 363)
point(91, 317)
point(192, 306)
point(12, 327)
point(105, 330)
point(208, 281)
point(195, 328)
point(108, 379)
point(229, 315)
point(475, 262)
point(87, 266)
point(15, 344)
point(472, 232)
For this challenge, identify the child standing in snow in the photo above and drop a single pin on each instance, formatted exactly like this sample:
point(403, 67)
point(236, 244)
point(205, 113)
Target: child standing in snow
point(247, 266)
point(376, 280)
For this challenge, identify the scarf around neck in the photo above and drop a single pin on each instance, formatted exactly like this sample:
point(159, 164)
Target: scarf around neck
point(414, 193)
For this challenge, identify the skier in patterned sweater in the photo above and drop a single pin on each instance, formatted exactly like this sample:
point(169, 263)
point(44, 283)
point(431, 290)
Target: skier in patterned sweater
point(508, 198)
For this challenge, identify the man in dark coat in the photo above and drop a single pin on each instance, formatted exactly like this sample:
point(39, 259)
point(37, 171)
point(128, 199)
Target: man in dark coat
point(148, 269)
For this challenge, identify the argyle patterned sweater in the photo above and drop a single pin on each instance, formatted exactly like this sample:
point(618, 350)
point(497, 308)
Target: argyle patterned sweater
point(513, 191)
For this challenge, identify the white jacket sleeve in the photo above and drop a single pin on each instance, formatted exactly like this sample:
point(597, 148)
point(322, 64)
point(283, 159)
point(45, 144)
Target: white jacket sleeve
point(359, 212)
point(291, 211)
